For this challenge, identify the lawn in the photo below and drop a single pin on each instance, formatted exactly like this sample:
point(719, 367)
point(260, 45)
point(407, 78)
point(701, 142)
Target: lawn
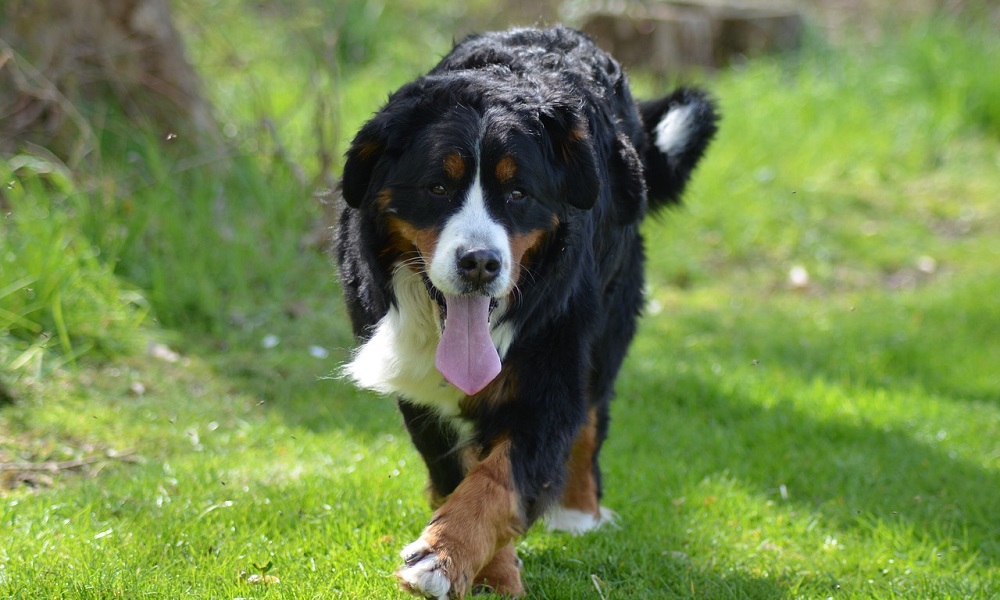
point(811, 408)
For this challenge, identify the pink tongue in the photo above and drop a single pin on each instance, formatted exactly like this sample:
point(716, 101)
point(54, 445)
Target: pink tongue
point(466, 355)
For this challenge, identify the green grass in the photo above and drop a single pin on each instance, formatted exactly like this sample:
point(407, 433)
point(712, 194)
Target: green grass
point(835, 440)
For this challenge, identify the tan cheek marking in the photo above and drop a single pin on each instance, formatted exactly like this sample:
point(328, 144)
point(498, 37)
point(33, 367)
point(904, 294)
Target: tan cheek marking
point(521, 244)
point(454, 166)
point(524, 245)
point(478, 519)
point(506, 169)
point(581, 487)
point(405, 237)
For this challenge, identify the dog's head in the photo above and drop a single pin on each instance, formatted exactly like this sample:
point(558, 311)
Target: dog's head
point(466, 181)
point(466, 184)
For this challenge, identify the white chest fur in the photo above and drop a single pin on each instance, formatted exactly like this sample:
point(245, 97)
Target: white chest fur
point(399, 357)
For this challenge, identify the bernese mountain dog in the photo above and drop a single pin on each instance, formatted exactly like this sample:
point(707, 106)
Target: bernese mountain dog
point(489, 251)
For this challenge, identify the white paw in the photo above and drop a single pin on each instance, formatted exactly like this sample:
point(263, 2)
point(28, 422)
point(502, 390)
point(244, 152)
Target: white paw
point(424, 572)
point(577, 522)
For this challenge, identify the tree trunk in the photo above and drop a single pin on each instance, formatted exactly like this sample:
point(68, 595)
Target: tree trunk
point(64, 63)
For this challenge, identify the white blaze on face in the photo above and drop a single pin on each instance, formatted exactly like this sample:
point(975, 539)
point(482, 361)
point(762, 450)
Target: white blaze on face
point(471, 228)
point(466, 355)
point(408, 353)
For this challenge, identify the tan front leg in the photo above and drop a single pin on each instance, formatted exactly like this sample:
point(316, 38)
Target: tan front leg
point(502, 576)
point(477, 520)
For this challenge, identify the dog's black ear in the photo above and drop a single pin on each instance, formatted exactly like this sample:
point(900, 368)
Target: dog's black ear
point(627, 181)
point(363, 155)
point(572, 151)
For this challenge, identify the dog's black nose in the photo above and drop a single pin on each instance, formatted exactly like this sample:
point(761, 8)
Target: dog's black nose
point(479, 267)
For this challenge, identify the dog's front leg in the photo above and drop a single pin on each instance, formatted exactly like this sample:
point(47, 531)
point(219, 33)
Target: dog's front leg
point(478, 519)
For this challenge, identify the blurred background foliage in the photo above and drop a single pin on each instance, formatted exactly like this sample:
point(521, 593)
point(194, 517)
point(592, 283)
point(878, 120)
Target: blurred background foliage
point(131, 221)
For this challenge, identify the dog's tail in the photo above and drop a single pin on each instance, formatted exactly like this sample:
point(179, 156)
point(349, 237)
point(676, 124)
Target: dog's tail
point(679, 128)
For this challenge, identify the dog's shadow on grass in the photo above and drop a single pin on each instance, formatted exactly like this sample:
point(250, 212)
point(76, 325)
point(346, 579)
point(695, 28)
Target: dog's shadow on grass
point(717, 392)
point(853, 474)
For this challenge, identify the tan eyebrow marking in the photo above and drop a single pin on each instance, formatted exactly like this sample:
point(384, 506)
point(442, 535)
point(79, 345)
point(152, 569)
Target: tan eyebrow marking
point(506, 169)
point(454, 166)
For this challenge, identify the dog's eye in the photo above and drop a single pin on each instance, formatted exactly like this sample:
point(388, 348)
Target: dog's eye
point(437, 189)
point(517, 195)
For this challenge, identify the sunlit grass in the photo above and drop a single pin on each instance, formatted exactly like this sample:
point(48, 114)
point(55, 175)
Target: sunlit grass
point(834, 437)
